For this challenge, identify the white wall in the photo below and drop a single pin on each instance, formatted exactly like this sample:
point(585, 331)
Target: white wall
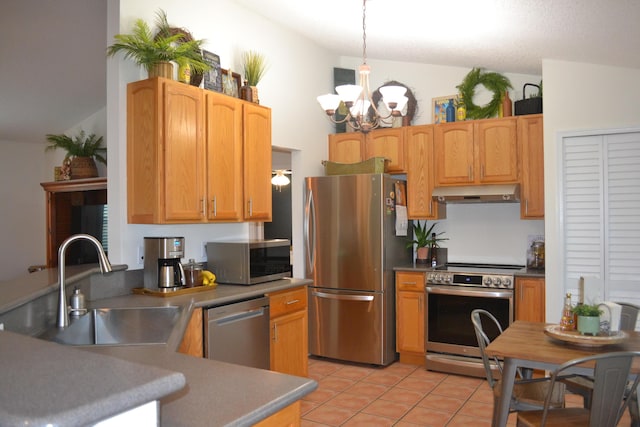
point(578, 96)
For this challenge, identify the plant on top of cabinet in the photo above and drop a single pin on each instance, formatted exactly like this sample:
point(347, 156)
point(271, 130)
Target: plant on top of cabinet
point(254, 65)
point(155, 52)
point(82, 152)
point(494, 82)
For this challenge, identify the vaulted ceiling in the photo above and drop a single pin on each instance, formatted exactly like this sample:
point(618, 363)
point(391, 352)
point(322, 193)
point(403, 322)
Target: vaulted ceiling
point(53, 67)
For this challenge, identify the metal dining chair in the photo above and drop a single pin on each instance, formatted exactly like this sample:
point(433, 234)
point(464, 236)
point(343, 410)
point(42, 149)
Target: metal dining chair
point(528, 394)
point(608, 402)
point(584, 385)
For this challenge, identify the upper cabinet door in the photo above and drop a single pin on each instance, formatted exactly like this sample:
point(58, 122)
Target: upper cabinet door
point(454, 153)
point(531, 137)
point(346, 147)
point(497, 150)
point(184, 153)
point(224, 158)
point(257, 162)
point(420, 175)
point(388, 143)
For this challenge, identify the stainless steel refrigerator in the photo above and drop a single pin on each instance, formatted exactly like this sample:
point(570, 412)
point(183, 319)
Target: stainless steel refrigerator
point(351, 249)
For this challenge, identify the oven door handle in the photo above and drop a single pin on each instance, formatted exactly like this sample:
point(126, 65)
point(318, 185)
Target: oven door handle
point(454, 290)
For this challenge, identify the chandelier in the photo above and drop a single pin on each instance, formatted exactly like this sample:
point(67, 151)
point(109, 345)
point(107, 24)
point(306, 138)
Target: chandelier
point(362, 114)
point(280, 179)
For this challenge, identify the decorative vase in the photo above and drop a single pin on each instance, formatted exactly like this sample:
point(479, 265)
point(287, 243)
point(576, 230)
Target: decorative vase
point(246, 93)
point(588, 325)
point(507, 106)
point(161, 69)
point(254, 94)
point(83, 167)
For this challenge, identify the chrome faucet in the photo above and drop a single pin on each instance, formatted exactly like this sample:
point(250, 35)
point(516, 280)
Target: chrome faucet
point(105, 266)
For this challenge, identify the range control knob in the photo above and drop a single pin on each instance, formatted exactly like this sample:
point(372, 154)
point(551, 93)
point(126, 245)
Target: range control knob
point(447, 278)
point(487, 281)
point(497, 282)
point(506, 282)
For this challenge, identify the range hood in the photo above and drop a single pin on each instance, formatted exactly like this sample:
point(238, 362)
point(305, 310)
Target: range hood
point(489, 193)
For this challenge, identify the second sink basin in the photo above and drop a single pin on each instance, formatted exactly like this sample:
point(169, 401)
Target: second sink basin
point(119, 326)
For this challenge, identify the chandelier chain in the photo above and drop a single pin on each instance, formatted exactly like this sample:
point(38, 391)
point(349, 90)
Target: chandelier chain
point(364, 31)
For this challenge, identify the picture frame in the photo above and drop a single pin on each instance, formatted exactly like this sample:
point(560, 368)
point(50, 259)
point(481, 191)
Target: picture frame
point(438, 107)
point(231, 83)
point(212, 79)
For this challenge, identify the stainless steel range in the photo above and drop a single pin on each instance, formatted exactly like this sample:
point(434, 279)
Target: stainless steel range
point(452, 294)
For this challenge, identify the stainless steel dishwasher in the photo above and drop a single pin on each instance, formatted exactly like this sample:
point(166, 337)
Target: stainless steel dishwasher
point(238, 333)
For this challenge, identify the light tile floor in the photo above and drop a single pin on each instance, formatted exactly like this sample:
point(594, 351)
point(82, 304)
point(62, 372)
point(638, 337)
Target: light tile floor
point(398, 395)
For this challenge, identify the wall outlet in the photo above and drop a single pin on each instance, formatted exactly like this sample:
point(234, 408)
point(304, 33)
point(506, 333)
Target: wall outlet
point(1, 326)
point(140, 257)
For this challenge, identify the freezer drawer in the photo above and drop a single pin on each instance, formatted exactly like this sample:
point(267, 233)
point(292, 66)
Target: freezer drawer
point(239, 333)
point(351, 325)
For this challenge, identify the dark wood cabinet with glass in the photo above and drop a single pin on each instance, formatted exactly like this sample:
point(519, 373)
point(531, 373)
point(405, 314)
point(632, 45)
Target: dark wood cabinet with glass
point(73, 207)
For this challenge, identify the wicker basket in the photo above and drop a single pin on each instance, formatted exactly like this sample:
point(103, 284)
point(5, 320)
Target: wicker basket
point(372, 165)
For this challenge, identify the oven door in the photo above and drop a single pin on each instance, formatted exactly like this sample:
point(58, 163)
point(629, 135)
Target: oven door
point(448, 326)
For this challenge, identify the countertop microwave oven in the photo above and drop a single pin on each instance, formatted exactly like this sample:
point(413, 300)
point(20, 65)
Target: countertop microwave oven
point(248, 262)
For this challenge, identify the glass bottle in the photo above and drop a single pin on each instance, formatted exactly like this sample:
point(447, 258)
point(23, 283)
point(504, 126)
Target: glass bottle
point(461, 113)
point(567, 321)
point(451, 112)
point(434, 256)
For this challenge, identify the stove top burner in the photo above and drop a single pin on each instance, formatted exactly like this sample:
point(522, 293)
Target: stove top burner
point(477, 275)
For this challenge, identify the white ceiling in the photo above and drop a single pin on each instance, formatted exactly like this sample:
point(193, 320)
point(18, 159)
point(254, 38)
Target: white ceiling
point(52, 67)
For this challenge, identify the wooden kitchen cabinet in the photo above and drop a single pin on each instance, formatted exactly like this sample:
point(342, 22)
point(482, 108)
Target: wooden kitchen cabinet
point(257, 162)
point(420, 176)
point(530, 299)
point(354, 147)
point(346, 147)
point(289, 416)
point(410, 316)
point(531, 137)
point(476, 152)
point(289, 331)
point(192, 156)
point(192, 340)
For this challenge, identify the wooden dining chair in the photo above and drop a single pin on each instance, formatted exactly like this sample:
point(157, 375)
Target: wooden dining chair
point(528, 394)
point(608, 402)
point(584, 385)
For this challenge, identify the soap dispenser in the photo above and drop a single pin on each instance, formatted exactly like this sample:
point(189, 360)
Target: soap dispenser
point(78, 304)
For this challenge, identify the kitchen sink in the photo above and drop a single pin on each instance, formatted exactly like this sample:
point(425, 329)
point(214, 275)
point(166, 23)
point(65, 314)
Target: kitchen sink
point(118, 326)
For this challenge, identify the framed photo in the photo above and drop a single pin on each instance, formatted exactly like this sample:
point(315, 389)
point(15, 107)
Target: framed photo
point(231, 83)
point(439, 107)
point(212, 79)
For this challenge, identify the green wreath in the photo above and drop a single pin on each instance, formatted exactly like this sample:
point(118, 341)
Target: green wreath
point(494, 82)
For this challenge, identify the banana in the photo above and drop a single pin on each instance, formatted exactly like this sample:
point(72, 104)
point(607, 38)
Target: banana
point(208, 278)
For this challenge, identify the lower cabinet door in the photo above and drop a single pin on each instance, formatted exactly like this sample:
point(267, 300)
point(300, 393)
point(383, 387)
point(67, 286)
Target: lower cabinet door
point(289, 338)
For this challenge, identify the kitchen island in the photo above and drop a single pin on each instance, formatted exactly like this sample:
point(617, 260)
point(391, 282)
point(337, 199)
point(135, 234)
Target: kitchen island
point(216, 393)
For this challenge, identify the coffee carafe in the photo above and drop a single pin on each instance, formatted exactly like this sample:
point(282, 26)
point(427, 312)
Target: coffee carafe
point(162, 267)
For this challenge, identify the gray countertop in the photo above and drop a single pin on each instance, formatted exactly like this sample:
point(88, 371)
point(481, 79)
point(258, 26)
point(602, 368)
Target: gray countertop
point(216, 393)
point(524, 272)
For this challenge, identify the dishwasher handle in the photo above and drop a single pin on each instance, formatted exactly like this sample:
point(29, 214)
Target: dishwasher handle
point(238, 316)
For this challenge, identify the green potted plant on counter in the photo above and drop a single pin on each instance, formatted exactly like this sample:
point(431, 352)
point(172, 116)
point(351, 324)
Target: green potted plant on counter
point(424, 240)
point(588, 318)
point(82, 153)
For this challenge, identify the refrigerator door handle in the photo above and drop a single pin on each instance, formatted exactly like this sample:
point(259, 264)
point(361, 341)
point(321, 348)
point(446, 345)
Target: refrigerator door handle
point(309, 229)
point(343, 297)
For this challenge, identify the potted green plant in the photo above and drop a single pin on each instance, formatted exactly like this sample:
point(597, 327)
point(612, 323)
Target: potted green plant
point(588, 318)
point(155, 52)
point(82, 152)
point(424, 239)
point(254, 65)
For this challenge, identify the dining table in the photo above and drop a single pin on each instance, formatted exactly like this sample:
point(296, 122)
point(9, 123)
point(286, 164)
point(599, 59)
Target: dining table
point(526, 345)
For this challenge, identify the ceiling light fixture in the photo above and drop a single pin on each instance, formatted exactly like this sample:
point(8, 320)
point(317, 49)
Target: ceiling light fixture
point(363, 114)
point(279, 179)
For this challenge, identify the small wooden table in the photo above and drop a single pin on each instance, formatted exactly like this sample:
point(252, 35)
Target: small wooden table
point(525, 345)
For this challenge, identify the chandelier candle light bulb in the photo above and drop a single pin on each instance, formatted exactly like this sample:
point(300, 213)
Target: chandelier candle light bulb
point(363, 112)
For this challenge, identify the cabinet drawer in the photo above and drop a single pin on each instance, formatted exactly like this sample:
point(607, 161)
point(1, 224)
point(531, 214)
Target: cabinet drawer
point(408, 281)
point(287, 301)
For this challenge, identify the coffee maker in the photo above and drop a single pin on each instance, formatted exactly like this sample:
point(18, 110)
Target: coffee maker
point(162, 267)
